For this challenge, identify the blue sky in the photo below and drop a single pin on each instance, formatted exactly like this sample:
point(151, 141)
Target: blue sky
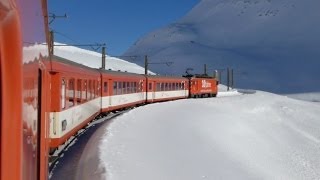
point(118, 23)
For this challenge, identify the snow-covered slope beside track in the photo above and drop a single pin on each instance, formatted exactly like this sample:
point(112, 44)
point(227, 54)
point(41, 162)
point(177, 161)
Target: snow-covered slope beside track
point(252, 136)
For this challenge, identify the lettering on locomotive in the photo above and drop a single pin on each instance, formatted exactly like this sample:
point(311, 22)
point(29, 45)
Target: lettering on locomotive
point(205, 84)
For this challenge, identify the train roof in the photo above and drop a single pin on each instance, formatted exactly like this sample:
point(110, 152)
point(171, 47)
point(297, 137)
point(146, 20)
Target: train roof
point(75, 64)
point(199, 76)
point(164, 77)
point(69, 62)
point(121, 73)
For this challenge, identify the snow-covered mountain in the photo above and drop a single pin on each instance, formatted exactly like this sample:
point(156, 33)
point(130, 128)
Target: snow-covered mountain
point(272, 45)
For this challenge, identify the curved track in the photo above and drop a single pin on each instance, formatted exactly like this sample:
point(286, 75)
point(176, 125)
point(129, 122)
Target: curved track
point(79, 160)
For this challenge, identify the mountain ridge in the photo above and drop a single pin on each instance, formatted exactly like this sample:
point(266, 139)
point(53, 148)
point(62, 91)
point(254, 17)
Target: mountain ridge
point(272, 45)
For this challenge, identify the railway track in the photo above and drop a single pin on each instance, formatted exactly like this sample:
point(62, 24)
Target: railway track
point(58, 154)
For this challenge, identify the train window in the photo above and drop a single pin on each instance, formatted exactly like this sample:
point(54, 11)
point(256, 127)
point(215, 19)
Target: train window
point(63, 94)
point(85, 91)
point(98, 88)
point(158, 87)
point(115, 88)
point(88, 89)
point(128, 88)
point(78, 96)
point(105, 87)
point(183, 85)
point(124, 87)
point(71, 93)
point(150, 86)
point(94, 89)
point(63, 125)
point(131, 87)
point(118, 88)
point(135, 87)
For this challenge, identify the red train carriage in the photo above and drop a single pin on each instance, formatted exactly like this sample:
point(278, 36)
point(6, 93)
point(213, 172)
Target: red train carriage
point(75, 94)
point(23, 139)
point(162, 88)
point(203, 86)
point(121, 90)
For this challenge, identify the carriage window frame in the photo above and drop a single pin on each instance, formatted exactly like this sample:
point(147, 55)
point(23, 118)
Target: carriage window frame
point(79, 90)
point(115, 85)
point(85, 90)
point(71, 92)
point(105, 87)
point(63, 93)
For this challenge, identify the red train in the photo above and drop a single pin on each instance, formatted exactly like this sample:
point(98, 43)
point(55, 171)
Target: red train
point(46, 99)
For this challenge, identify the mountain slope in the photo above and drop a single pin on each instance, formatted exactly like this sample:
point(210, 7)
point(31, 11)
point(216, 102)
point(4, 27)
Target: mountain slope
point(272, 45)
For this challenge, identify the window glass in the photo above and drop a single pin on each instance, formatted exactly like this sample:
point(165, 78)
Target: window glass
point(131, 87)
point(128, 88)
point(89, 90)
point(85, 91)
point(98, 88)
point(71, 93)
point(119, 88)
point(115, 88)
point(105, 87)
point(124, 87)
point(63, 94)
point(78, 93)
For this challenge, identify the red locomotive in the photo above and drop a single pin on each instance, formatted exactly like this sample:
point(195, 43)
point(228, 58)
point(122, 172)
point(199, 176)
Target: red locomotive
point(202, 86)
point(46, 99)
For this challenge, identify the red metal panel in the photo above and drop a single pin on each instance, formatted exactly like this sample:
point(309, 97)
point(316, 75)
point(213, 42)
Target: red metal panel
point(11, 125)
point(56, 142)
point(203, 86)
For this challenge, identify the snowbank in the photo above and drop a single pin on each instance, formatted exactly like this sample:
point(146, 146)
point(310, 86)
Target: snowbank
point(255, 136)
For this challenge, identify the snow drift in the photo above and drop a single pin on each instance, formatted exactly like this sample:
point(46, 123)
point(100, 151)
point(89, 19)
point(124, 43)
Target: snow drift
point(234, 137)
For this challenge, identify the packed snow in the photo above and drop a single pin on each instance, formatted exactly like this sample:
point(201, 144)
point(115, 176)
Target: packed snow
point(244, 136)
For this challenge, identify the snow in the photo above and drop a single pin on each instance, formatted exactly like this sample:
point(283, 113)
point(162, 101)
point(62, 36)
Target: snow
point(93, 59)
point(313, 96)
point(243, 136)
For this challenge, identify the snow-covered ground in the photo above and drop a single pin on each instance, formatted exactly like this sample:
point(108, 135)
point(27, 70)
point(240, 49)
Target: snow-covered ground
point(313, 97)
point(250, 136)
